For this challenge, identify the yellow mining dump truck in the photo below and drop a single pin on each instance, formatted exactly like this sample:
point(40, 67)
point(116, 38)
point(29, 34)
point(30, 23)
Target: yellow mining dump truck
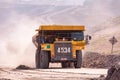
point(60, 43)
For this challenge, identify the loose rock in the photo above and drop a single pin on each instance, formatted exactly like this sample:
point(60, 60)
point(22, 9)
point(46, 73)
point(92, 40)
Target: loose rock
point(96, 60)
point(23, 67)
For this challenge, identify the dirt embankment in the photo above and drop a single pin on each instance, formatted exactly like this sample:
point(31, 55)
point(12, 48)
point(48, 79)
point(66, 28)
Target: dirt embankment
point(96, 60)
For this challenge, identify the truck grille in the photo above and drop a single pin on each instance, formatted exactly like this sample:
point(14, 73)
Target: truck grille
point(63, 50)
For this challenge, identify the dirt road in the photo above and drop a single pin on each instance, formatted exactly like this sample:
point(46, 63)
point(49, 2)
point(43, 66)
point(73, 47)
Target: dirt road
point(51, 74)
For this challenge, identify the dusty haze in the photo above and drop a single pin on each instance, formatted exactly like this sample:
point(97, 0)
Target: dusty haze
point(16, 41)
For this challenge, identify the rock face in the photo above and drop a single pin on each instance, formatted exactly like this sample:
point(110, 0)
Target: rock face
point(113, 74)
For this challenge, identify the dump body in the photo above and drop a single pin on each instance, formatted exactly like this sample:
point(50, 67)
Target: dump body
point(61, 42)
point(60, 27)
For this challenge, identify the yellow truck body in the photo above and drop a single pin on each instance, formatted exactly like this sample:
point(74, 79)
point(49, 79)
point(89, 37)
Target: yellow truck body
point(68, 40)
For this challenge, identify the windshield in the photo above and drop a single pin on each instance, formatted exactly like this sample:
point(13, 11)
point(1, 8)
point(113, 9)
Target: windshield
point(78, 36)
point(50, 36)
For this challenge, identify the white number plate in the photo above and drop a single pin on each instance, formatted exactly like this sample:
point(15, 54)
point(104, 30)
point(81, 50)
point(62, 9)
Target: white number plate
point(64, 50)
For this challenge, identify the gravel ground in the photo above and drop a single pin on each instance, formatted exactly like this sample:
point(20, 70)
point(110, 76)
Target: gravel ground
point(52, 74)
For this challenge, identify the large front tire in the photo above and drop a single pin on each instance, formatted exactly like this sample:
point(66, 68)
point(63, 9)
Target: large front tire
point(37, 59)
point(78, 63)
point(44, 60)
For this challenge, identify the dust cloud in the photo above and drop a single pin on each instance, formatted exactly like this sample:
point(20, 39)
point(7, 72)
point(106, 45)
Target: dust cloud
point(16, 41)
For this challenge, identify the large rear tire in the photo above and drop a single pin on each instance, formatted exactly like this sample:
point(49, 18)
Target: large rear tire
point(78, 63)
point(44, 60)
point(67, 65)
point(71, 65)
point(37, 59)
point(64, 64)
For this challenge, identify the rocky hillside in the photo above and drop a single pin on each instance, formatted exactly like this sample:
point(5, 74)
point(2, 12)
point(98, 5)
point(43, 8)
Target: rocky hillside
point(101, 35)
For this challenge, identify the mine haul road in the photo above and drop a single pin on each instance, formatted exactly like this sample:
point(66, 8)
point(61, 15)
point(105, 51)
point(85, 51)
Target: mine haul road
point(51, 74)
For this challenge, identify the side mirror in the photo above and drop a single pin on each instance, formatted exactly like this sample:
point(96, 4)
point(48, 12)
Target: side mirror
point(90, 37)
point(87, 39)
